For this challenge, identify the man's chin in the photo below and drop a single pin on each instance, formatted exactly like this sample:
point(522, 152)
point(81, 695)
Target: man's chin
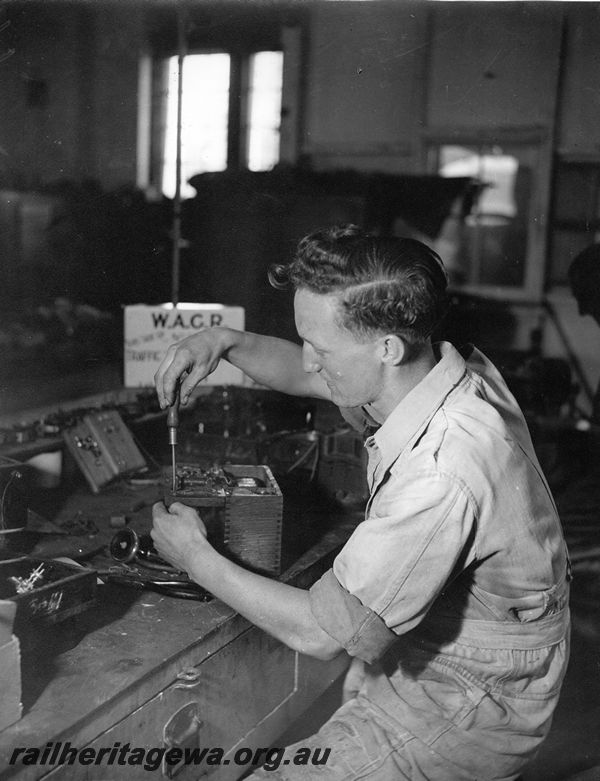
point(340, 400)
point(335, 398)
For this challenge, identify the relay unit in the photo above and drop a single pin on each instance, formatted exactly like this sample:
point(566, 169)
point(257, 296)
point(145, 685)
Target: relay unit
point(103, 448)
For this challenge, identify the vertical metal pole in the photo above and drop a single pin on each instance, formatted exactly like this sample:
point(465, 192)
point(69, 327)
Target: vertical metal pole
point(176, 256)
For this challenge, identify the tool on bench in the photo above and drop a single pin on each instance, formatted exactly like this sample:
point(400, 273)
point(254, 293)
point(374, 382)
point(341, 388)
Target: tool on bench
point(170, 587)
point(172, 425)
point(141, 567)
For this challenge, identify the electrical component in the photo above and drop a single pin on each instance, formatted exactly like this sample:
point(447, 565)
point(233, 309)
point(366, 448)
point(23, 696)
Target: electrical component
point(103, 448)
point(241, 507)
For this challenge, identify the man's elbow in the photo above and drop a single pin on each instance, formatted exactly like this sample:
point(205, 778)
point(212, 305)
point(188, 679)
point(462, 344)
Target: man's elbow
point(327, 654)
point(324, 648)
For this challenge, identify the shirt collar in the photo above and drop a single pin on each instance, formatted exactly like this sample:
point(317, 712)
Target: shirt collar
point(417, 407)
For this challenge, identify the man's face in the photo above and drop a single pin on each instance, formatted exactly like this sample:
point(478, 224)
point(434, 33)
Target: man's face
point(348, 365)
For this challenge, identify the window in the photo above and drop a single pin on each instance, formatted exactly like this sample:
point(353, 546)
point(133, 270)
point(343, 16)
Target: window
point(264, 110)
point(204, 119)
point(496, 170)
point(209, 126)
point(498, 248)
point(492, 242)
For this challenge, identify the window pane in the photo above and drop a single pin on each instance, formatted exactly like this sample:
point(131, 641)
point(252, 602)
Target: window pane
point(204, 120)
point(497, 170)
point(492, 241)
point(264, 110)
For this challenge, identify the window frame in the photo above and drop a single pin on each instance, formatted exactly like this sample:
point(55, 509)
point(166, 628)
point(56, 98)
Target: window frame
point(252, 31)
point(536, 145)
point(237, 126)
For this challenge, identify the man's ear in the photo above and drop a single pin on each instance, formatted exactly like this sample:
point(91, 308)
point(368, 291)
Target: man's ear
point(393, 350)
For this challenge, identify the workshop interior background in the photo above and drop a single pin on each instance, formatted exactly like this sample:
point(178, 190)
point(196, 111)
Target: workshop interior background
point(471, 126)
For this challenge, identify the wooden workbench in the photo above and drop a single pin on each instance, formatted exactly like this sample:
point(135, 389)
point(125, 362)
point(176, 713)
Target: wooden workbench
point(152, 670)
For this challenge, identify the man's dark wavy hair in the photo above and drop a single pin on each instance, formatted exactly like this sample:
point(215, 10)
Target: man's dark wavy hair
point(385, 284)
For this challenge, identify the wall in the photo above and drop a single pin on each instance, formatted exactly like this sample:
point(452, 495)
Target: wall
point(384, 77)
point(493, 66)
point(381, 73)
point(364, 86)
point(380, 77)
point(41, 95)
point(579, 97)
point(69, 94)
point(378, 74)
point(117, 42)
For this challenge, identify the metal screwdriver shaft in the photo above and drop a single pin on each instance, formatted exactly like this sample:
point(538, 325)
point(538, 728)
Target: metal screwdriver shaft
point(172, 425)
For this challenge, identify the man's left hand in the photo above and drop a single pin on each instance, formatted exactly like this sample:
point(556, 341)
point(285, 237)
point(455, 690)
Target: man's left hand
point(177, 532)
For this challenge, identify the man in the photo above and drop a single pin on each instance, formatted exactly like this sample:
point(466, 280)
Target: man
point(452, 593)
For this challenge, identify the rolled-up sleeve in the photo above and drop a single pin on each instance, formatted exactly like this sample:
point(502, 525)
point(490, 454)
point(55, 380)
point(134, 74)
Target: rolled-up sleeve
point(355, 626)
point(399, 559)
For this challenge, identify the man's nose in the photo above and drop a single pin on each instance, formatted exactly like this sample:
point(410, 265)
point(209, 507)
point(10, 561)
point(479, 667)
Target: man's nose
point(309, 359)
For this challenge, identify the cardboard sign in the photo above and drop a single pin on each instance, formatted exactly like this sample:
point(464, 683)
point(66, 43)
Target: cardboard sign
point(151, 330)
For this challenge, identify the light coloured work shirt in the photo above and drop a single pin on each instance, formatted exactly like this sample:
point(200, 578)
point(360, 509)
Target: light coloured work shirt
point(454, 588)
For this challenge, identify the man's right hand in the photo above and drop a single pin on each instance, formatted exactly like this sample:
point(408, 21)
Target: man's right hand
point(269, 361)
point(189, 362)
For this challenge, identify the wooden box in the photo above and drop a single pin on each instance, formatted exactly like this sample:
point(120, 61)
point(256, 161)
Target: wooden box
point(61, 591)
point(242, 508)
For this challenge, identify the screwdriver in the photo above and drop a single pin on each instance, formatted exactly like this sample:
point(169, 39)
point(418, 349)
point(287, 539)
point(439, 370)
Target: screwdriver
point(172, 425)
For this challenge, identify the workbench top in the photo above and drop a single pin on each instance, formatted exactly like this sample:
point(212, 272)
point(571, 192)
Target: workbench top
point(100, 666)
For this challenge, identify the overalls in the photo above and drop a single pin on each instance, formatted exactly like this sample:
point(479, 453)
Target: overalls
point(453, 590)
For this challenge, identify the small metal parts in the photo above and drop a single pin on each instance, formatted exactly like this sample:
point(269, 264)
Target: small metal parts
point(24, 585)
point(88, 443)
point(193, 480)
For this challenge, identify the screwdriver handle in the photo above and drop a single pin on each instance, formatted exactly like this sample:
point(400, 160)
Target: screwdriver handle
point(173, 415)
point(173, 418)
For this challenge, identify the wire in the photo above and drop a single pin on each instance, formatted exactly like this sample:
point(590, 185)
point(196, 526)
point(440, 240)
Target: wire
point(314, 447)
point(3, 519)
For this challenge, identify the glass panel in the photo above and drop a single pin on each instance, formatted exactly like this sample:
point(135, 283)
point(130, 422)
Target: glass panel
point(264, 110)
point(204, 120)
point(492, 240)
point(497, 170)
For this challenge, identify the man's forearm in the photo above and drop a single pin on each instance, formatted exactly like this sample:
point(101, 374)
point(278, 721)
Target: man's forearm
point(280, 609)
point(274, 363)
point(270, 361)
